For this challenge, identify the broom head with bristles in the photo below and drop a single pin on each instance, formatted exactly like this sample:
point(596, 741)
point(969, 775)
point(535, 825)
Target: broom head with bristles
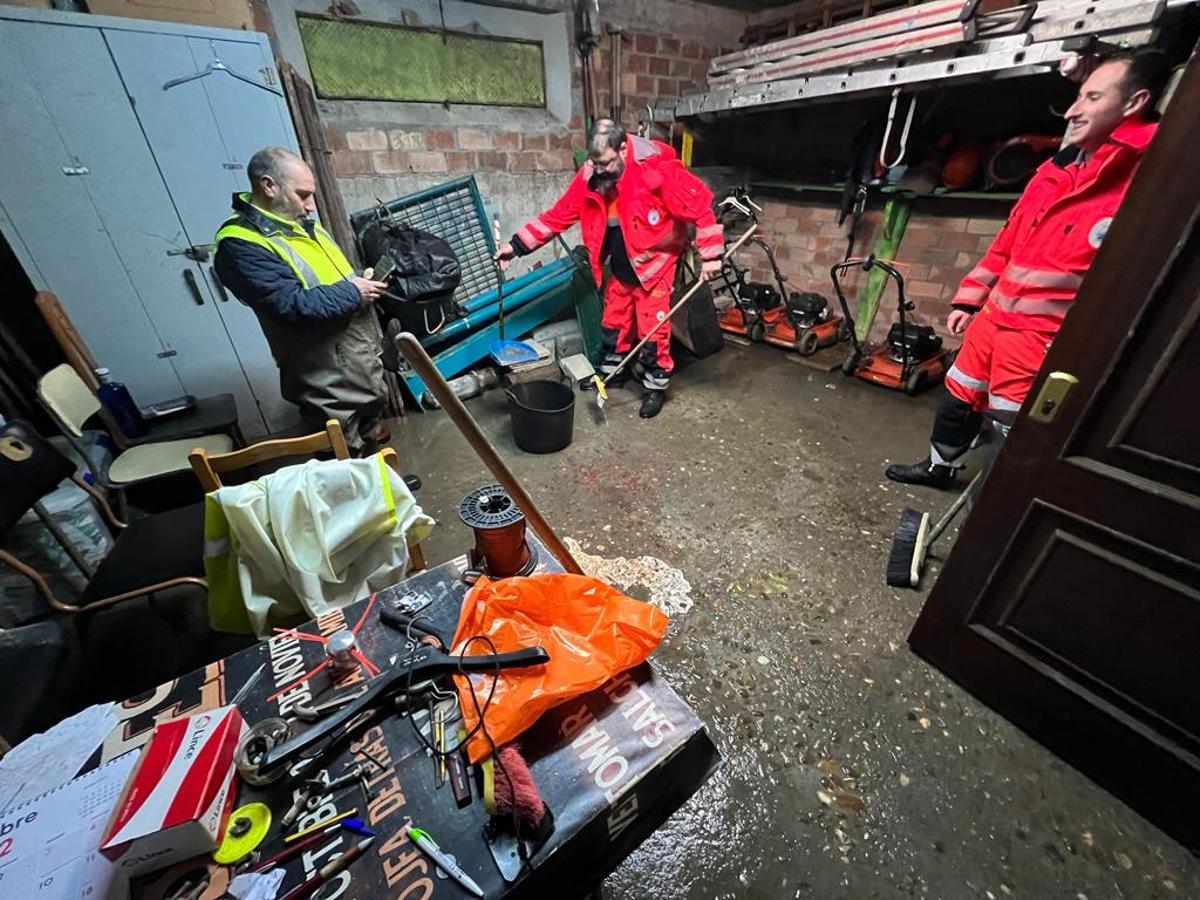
point(908, 549)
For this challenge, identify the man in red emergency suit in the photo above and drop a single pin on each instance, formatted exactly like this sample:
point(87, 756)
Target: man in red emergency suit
point(1013, 302)
point(634, 202)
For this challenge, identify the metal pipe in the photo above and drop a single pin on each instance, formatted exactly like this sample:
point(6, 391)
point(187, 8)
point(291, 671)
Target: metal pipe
point(486, 314)
point(489, 297)
point(410, 348)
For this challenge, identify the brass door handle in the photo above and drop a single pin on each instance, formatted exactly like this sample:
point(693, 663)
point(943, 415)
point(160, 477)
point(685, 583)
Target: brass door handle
point(1052, 396)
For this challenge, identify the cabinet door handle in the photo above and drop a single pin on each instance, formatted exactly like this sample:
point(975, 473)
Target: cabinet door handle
point(190, 277)
point(224, 297)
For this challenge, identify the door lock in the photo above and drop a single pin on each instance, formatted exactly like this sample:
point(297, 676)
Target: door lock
point(1052, 396)
point(196, 253)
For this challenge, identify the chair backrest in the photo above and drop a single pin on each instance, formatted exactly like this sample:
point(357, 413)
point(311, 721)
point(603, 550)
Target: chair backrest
point(208, 467)
point(30, 468)
point(68, 398)
point(63, 329)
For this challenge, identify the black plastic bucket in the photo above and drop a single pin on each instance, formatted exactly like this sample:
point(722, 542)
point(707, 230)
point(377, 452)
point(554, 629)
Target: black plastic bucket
point(543, 415)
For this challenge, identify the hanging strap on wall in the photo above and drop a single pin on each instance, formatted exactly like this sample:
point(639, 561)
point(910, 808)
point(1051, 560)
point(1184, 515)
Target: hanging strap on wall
point(887, 132)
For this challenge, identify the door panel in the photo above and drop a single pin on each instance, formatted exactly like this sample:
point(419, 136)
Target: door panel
point(61, 232)
point(1071, 599)
point(204, 164)
point(96, 123)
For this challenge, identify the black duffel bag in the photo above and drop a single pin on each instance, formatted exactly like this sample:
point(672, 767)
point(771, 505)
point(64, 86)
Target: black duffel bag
point(424, 279)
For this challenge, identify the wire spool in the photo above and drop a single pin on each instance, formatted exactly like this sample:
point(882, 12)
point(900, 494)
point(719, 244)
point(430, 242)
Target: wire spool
point(499, 526)
point(254, 747)
point(248, 826)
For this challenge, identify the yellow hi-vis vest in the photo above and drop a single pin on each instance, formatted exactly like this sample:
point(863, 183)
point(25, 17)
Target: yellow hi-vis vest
point(315, 259)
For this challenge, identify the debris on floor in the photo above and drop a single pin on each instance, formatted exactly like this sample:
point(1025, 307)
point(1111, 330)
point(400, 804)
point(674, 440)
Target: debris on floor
point(644, 577)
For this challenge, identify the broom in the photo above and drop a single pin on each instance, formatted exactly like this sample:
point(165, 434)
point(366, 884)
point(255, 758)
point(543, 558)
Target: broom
point(913, 538)
point(602, 384)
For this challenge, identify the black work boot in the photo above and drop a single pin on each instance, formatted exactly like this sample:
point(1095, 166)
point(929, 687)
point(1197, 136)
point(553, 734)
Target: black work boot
point(925, 472)
point(652, 404)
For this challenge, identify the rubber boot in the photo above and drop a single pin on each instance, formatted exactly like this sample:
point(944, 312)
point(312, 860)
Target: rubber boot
point(925, 472)
point(652, 404)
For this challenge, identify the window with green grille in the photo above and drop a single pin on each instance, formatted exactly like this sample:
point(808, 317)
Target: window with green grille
point(362, 61)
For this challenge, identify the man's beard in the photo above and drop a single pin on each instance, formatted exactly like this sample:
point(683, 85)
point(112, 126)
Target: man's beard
point(605, 182)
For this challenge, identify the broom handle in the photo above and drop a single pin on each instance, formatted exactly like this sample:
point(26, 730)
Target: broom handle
point(678, 306)
point(410, 348)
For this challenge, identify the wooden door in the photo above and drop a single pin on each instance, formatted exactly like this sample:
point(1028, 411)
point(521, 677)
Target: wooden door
point(1071, 600)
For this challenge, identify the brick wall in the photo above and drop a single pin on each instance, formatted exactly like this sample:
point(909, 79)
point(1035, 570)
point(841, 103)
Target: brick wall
point(938, 249)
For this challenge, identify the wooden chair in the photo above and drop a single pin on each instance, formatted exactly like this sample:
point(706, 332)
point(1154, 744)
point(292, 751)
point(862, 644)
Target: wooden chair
point(209, 467)
point(148, 555)
point(211, 415)
point(71, 403)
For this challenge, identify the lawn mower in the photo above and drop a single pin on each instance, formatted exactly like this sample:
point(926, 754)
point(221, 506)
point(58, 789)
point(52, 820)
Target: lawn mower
point(911, 359)
point(803, 323)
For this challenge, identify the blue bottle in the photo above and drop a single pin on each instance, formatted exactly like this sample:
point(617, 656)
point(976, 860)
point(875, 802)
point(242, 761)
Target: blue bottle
point(116, 398)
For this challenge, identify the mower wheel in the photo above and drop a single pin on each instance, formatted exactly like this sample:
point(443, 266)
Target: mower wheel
point(850, 366)
point(756, 331)
point(809, 344)
point(843, 332)
point(916, 382)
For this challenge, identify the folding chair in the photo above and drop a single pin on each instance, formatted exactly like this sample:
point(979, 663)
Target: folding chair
point(211, 415)
point(71, 403)
point(208, 468)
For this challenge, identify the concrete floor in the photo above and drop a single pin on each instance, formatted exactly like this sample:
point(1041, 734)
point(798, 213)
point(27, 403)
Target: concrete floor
point(762, 482)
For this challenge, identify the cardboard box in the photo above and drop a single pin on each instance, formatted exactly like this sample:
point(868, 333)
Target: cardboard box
point(178, 799)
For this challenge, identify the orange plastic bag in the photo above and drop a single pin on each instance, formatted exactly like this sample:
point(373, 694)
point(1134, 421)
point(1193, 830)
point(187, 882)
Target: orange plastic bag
point(591, 631)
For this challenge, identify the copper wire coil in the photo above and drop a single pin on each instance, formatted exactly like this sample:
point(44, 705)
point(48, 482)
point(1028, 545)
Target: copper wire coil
point(499, 526)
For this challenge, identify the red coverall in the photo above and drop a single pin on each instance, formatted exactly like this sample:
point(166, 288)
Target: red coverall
point(657, 199)
point(1026, 282)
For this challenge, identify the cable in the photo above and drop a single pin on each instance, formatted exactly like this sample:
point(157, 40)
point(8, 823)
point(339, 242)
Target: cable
point(516, 824)
point(480, 725)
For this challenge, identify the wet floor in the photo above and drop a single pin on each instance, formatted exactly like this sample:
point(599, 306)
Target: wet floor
point(852, 768)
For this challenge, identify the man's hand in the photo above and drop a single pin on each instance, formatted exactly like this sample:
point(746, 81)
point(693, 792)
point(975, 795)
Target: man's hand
point(958, 320)
point(504, 256)
point(368, 288)
point(710, 269)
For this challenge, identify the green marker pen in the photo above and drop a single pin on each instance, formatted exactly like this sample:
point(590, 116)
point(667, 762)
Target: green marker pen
point(426, 842)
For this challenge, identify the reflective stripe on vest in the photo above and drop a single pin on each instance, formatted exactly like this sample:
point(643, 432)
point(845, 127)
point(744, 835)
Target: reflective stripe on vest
point(303, 270)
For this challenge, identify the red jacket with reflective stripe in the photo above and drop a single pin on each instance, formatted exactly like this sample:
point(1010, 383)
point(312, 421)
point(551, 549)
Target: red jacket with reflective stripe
point(659, 200)
point(1032, 270)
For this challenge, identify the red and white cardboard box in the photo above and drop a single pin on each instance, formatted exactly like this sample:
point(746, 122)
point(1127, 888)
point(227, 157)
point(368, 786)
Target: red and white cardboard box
point(178, 799)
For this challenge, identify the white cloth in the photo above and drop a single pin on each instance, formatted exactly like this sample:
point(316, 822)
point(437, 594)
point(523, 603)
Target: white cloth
point(312, 538)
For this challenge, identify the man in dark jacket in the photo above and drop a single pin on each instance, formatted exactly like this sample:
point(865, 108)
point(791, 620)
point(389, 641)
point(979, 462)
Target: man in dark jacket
point(315, 312)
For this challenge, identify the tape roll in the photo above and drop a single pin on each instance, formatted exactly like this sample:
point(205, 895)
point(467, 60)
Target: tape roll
point(247, 828)
point(253, 748)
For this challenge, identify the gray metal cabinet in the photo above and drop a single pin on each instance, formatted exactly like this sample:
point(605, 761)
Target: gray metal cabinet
point(109, 179)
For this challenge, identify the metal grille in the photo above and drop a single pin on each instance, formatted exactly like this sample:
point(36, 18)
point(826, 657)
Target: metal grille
point(362, 61)
point(454, 212)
